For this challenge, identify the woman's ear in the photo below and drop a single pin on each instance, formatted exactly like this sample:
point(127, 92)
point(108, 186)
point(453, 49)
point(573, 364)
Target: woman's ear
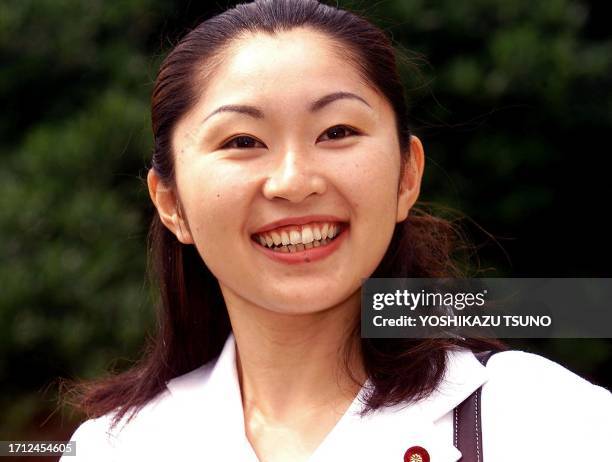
point(410, 182)
point(168, 208)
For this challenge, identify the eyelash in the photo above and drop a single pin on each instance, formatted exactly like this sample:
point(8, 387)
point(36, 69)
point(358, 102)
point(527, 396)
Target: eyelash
point(351, 132)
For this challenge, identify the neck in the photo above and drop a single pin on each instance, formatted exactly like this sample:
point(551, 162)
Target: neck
point(291, 366)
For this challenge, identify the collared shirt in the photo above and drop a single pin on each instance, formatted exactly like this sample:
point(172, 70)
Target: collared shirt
point(532, 409)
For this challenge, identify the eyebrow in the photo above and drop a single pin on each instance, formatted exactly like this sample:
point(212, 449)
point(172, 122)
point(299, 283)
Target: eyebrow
point(315, 106)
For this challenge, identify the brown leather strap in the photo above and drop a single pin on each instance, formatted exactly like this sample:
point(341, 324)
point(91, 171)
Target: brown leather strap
point(467, 433)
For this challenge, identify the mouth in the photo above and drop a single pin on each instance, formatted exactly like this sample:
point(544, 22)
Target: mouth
point(299, 238)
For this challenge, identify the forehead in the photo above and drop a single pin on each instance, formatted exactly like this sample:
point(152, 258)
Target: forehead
point(300, 63)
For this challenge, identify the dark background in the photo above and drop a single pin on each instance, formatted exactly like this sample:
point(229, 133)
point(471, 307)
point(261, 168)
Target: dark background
point(511, 99)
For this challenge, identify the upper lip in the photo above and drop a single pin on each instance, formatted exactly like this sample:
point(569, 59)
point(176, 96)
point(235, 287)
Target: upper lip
point(298, 221)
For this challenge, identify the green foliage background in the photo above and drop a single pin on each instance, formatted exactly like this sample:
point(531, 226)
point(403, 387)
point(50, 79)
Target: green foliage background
point(512, 101)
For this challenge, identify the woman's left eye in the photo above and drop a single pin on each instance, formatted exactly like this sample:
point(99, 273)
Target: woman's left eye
point(240, 142)
point(338, 132)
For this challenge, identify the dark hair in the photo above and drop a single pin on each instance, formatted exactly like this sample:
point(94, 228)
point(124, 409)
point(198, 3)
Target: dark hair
point(193, 323)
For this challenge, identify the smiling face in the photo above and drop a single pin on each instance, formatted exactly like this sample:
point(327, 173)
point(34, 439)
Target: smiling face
point(315, 153)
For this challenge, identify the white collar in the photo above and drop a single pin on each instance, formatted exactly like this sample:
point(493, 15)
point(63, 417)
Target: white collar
point(211, 404)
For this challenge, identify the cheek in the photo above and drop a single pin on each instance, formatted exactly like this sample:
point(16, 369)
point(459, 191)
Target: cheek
point(214, 198)
point(370, 181)
point(371, 184)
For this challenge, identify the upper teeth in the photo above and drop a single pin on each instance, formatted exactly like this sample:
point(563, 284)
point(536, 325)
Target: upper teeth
point(294, 235)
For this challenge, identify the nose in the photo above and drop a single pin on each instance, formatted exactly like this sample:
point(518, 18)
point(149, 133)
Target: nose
point(294, 178)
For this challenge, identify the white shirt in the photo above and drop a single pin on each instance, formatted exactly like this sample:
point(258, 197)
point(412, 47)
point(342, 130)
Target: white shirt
point(532, 410)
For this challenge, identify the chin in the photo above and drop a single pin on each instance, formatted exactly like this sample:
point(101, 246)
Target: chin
point(304, 303)
point(297, 306)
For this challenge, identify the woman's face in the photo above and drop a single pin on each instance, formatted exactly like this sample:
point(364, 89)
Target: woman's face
point(268, 157)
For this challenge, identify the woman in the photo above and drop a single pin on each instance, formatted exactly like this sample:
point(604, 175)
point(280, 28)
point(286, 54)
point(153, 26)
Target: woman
point(284, 172)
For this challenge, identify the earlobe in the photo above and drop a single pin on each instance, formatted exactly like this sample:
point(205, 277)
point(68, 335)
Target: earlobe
point(168, 207)
point(410, 182)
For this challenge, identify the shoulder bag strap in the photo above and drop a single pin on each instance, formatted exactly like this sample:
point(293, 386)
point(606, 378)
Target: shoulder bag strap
point(467, 429)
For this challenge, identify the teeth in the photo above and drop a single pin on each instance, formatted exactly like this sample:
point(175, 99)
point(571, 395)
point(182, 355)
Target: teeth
point(315, 235)
point(295, 237)
point(285, 238)
point(324, 231)
point(276, 238)
point(292, 248)
point(307, 236)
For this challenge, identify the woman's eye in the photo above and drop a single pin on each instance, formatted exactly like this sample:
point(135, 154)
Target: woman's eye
point(336, 132)
point(241, 142)
point(339, 131)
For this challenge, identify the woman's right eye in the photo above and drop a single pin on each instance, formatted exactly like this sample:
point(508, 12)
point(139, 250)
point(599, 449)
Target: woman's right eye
point(241, 142)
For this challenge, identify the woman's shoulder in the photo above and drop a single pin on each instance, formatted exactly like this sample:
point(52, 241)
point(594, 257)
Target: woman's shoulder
point(101, 438)
point(543, 407)
point(94, 440)
point(106, 438)
point(520, 370)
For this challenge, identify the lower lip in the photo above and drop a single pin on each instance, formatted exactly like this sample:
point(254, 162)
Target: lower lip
point(306, 255)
